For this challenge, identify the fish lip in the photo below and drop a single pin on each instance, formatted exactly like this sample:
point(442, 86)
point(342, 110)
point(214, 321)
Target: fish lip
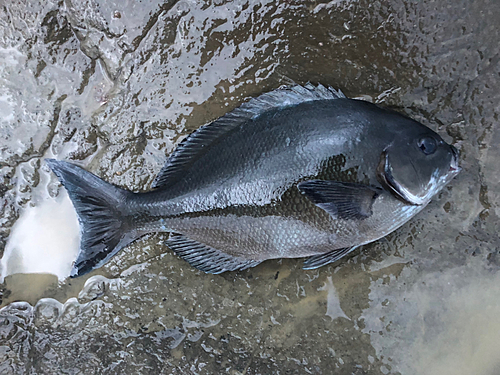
point(454, 167)
point(385, 177)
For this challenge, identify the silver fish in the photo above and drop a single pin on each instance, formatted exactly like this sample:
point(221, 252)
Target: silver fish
point(301, 171)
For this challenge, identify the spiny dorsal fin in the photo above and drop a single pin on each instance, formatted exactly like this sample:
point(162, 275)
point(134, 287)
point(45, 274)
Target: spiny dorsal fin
point(195, 145)
point(206, 258)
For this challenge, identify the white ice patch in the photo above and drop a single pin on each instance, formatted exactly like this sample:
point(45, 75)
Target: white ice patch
point(333, 309)
point(444, 323)
point(6, 106)
point(45, 239)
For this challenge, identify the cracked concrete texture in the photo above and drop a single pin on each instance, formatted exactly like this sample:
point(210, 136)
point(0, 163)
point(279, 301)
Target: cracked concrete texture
point(116, 85)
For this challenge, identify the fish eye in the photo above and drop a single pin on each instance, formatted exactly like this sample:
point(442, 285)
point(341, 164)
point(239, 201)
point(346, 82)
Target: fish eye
point(428, 145)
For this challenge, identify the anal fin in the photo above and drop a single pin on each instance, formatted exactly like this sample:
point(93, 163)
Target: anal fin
point(320, 260)
point(206, 258)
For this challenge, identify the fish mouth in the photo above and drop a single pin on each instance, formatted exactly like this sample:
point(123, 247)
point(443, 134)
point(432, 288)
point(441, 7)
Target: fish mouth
point(385, 177)
point(454, 167)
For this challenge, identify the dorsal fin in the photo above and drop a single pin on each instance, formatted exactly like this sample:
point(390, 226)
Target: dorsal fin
point(195, 145)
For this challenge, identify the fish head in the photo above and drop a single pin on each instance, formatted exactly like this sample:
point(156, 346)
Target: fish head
point(417, 164)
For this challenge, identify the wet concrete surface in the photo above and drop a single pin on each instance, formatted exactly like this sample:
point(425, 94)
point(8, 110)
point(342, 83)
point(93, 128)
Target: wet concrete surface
point(116, 85)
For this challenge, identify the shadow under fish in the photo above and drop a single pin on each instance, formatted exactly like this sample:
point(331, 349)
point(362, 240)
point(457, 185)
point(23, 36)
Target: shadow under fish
point(301, 171)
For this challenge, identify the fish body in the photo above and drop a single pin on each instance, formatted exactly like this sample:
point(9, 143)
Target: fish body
point(298, 172)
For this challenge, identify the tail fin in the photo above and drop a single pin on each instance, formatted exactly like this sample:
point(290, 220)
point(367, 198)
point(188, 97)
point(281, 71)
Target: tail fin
point(101, 209)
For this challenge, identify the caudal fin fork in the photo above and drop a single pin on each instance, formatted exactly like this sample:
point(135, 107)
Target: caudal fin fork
point(101, 209)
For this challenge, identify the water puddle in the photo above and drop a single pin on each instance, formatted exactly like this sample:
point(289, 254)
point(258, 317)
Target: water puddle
point(45, 239)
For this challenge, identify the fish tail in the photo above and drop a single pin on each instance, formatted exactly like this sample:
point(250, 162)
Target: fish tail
point(105, 225)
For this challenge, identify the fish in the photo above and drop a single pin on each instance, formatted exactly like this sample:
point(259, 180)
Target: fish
point(298, 172)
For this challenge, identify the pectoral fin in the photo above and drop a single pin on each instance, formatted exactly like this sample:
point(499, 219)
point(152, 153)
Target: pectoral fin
point(342, 200)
